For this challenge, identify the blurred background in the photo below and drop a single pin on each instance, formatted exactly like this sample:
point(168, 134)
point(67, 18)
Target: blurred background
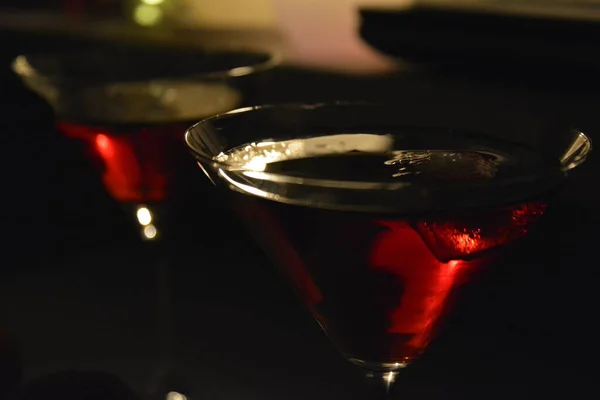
point(306, 32)
point(78, 290)
point(315, 33)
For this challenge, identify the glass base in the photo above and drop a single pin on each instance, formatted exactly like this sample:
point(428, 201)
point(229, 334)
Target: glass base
point(382, 383)
point(382, 375)
point(379, 367)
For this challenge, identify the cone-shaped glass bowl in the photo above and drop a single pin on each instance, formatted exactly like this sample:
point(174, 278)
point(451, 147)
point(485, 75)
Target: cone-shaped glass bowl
point(375, 215)
point(131, 106)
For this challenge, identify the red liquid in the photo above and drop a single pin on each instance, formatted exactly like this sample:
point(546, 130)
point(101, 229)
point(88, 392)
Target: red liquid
point(379, 284)
point(137, 162)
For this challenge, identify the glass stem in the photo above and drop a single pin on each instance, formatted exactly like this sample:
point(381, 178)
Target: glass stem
point(165, 322)
point(168, 378)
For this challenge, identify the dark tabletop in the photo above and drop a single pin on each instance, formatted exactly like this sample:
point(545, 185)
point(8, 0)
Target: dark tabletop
point(78, 291)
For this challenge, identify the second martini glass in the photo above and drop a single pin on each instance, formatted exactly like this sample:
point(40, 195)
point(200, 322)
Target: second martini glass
point(131, 105)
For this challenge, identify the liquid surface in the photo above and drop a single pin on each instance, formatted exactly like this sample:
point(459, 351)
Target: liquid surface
point(378, 283)
point(408, 173)
point(378, 158)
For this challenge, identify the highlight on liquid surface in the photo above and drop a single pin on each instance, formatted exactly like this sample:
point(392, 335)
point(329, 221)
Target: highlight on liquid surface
point(380, 158)
point(378, 283)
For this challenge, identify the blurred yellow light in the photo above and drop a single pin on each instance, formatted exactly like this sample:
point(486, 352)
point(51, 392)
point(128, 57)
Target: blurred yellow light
point(150, 231)
point(144, 216)
point(147, 15)
point(176, 396)
point(152, 2)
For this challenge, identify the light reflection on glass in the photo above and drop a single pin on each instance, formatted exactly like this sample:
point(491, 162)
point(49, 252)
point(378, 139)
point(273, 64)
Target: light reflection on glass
point(176, 396)
point(144, 216)
point(389, 378)
point(256, 156)
point(576, 153)
point(150, 232)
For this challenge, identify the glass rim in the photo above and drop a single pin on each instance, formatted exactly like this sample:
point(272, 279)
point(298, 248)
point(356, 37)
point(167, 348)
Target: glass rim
point(242, 110)
point(309, 107)
point(420, 196)
point(22, 66)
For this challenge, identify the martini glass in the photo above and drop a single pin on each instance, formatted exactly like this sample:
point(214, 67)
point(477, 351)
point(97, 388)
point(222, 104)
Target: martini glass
point(376, 216)
point(130, 107)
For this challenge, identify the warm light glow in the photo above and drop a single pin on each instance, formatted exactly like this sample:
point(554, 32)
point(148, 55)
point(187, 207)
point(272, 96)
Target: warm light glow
point(389, 377)
point(576, 153)
point(240, 110)
point(325, 34)
point(265, 144)
point(247, 188)
point(147, 15)
point(206, 173)
point(469, 241)
point(258, 163)
point(150, 231)
point(426, 289)
point(229, 14)
point(152, 2)
point(176, 396)
point(241, 71)
point(477, 232)
point(256, 156)
point(144, 216)
point(453, 264)
point(134, 164)
point(22, 67)
point(103, 145)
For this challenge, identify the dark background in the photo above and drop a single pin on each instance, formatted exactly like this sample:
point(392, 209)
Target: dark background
point(78, 292)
